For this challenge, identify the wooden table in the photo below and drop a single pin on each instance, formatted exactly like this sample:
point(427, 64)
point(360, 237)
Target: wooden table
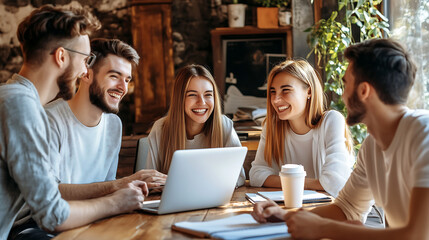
point(139, 225)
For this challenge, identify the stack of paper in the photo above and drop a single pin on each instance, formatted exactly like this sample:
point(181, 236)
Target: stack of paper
point(256, 114)
point(236, 227)
point(235, 99)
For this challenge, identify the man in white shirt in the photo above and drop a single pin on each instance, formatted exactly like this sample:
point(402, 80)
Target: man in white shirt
point(87, 133)
point(392, 167)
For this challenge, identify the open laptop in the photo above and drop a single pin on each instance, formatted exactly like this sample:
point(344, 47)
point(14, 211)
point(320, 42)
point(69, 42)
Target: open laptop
point(198, 179)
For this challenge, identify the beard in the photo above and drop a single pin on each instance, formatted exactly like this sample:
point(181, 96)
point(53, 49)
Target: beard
point(67, 84)
point(97, 98)
point(356, 110)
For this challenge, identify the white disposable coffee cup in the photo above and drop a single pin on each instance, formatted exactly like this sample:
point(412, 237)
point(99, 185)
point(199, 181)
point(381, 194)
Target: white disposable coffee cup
point(292, 178)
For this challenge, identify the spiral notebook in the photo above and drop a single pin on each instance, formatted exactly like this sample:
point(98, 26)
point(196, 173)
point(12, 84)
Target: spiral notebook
point(241, 226)
point(310, 196)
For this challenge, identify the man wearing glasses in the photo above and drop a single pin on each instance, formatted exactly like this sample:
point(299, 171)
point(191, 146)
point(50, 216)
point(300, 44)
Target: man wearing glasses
point(26, 177)
point(89, 60)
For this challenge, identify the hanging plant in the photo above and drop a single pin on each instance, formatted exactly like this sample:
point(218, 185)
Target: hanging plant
point(329, 38)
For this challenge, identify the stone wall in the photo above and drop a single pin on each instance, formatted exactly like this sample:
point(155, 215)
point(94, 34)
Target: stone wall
point(191, 25)
point(192, 21)
point(113, 14)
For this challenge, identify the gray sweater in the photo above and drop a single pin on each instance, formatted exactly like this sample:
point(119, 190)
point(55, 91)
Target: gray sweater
point(25, 175)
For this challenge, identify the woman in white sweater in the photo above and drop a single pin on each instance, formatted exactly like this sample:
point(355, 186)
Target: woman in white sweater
point(299, 130)
point(193, 121)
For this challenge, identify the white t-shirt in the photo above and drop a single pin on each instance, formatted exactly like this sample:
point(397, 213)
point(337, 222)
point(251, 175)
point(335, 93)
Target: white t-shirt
point(332, 162)
point(230, 139)
point(82, 154)
point(389, 176)
point(305, 158)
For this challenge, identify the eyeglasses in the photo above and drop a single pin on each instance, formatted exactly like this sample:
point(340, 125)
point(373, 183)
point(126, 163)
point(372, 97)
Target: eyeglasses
point(90, 60)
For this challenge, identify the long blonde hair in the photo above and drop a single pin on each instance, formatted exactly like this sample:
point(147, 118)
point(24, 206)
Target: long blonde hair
point(174, 129)
point(314, 111)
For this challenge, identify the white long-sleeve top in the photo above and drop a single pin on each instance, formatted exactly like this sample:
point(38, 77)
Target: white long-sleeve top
point(332, 162)
point(389, 176)
point(230, 139)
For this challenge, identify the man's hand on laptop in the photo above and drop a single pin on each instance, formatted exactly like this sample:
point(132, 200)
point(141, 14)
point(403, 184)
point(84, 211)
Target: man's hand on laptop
point(153, 179)
point(130, 197)
point(268, 211)
point(140, 185)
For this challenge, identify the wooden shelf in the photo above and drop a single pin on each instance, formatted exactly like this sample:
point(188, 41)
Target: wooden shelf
point(249, 30)
point(219, 34)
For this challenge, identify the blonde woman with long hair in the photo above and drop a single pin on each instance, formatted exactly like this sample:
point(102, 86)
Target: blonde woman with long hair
point(299, 130)
point(193, 121)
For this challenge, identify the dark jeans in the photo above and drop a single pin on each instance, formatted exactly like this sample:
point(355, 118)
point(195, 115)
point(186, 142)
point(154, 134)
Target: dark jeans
point(29, 231)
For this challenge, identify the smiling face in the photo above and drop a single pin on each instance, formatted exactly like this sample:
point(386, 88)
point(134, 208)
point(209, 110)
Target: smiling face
point(199, 101)
point(110, 83)
point(289, 96)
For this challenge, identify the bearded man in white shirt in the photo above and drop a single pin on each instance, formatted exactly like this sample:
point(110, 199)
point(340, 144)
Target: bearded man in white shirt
point(87, 133)
point(392, 167)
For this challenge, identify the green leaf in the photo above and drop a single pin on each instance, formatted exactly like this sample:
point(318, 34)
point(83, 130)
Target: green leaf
point(381, 16)
point(359, 14)
point(334, 15)
point(359, 23)
point(308, 29)
point(385, 30)
point(383, 24)
point(349, 13)
point(341, 4)
point(360, 3)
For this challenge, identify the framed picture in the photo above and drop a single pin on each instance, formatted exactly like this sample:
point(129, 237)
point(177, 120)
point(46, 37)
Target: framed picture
point(247, 62)
point(242, 58)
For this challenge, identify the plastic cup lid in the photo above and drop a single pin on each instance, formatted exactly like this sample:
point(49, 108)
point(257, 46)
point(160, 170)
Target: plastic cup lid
point(292, 168)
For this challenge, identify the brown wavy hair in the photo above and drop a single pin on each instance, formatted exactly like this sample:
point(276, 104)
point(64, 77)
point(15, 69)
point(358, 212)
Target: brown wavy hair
point(102, 47)
point(48, 28)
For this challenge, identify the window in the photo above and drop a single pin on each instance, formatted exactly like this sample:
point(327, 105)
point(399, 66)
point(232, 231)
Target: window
point(409, 21)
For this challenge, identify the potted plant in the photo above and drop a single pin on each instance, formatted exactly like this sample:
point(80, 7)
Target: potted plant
point(236, 14)
point(268, 13)
point(328, 39)
point(285, 14)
